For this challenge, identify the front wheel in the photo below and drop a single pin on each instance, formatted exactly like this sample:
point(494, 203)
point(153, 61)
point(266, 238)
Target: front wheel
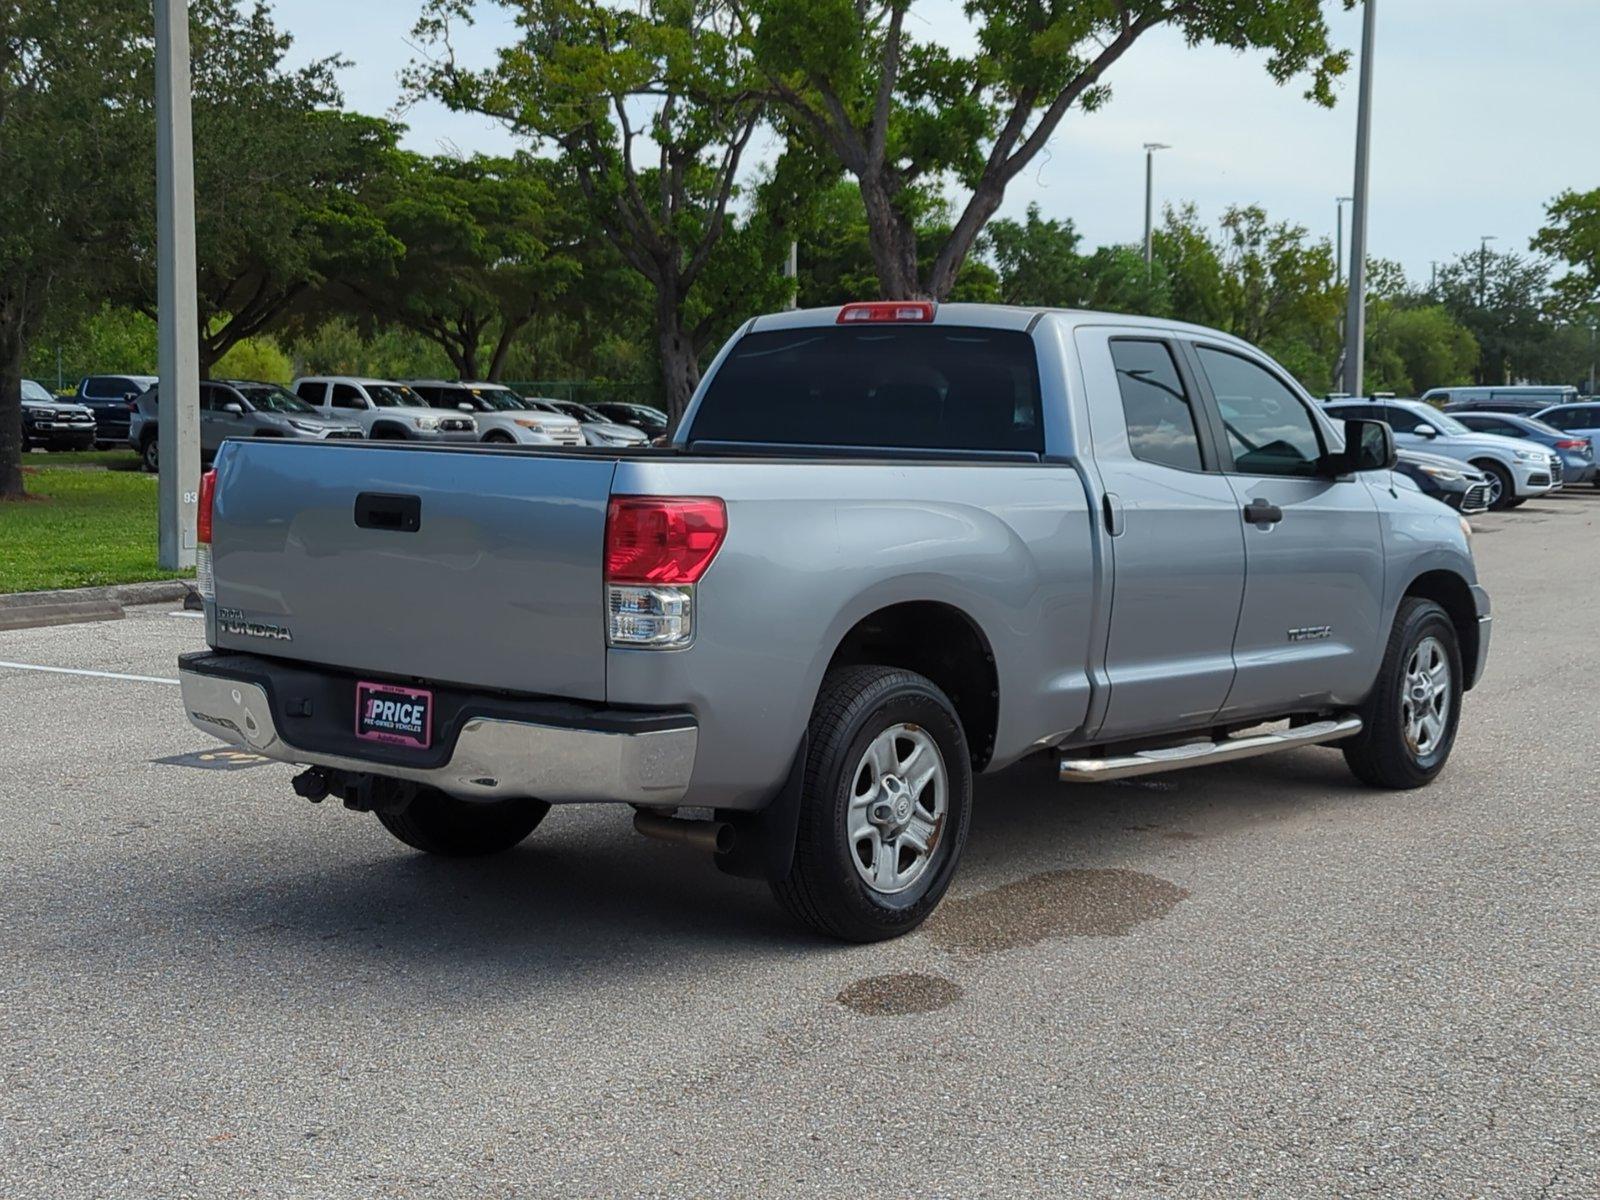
point(436, 822)
point(885, 806)
point(1409, 721)
point(1502, 488)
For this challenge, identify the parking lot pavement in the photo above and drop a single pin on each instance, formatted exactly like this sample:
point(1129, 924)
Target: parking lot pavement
point(1259, 980)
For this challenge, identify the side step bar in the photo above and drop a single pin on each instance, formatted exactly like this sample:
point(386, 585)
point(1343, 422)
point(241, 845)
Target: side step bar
point(1202, 754)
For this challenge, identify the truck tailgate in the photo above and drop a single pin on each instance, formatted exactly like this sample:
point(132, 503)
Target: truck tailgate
point(464, 566)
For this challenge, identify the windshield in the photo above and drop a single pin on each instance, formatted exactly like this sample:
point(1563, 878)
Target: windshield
point(499, 400)
point(582, 411)
point(269, 397)
point(1444, 422)
point(393, 395)
point(33, 391)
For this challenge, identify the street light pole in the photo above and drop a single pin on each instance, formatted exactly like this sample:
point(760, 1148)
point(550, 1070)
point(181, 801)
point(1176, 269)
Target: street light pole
point(1483, 267)
point(1150, 149)
point(178, 356)
point(1338, 249)
point(1355, 324)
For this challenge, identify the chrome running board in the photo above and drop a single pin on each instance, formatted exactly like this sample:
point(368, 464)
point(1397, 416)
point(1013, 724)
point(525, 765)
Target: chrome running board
point(1203, 754)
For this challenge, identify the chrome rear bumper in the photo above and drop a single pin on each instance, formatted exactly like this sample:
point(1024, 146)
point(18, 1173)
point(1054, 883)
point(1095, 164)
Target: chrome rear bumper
point(492, 759)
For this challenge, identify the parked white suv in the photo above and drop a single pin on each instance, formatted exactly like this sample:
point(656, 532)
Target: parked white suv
point(383, 408)
point(502, 415)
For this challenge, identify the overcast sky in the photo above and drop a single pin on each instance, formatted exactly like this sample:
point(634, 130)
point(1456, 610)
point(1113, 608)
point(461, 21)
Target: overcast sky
point(1483, 110)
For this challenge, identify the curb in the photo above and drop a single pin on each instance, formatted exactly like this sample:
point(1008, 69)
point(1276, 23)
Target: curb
point(26, 610)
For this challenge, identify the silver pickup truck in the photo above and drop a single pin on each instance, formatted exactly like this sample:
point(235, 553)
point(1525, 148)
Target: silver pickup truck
point(890, 546)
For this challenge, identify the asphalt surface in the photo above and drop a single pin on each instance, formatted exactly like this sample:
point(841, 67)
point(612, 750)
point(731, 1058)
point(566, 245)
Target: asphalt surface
point(1258, 980)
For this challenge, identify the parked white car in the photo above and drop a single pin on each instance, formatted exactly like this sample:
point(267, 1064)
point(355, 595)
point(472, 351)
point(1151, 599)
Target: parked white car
point(501, 414)
point(383, 408)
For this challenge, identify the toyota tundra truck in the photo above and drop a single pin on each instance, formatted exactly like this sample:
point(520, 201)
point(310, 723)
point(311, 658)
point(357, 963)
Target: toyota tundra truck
point(890, 546)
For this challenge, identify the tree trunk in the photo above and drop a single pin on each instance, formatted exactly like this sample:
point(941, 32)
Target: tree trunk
point(958, 245)
point(680, 364)
point(894, 244)
point(10, 411)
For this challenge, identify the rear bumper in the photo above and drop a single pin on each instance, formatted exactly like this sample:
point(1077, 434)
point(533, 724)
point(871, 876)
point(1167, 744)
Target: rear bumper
point(485, 748)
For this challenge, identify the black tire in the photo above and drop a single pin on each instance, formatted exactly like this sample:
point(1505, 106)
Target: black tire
point(387, 433)
point(824, 888)
point(1506, 488)
point(150, 455)
point(498, 438)
point(438, 823)
point(1381, 754)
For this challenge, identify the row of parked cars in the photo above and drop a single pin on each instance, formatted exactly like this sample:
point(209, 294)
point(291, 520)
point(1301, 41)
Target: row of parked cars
point(112, 410)
point(1482, 448)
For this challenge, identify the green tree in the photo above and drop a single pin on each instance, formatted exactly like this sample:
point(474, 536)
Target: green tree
point(1410, 350)
point(1038, 262)
point(280, 175)
point(1572, 234)
point(71, 74)
point(652, 107)
point(474, 257)
point(909, 118)
point(1500, 297)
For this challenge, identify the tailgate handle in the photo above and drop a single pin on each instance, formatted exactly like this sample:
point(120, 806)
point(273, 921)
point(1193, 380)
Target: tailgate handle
point(376, 510)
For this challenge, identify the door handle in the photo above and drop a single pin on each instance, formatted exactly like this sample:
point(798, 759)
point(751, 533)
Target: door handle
point(403, 514)
point(1259, 512)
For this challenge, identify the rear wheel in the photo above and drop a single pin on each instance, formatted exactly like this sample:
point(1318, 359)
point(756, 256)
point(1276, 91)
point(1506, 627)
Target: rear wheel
point(438, 823)
point(150, 455)
point(884, 812)
point(499, 438)
point(1502, 488)
point(1409, 721)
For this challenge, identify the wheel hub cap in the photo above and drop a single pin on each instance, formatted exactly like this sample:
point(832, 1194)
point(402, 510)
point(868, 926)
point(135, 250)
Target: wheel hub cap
point(1425, 697)
point(899, 795)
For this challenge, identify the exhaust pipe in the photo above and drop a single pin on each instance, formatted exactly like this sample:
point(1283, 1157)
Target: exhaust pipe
point(713, 837)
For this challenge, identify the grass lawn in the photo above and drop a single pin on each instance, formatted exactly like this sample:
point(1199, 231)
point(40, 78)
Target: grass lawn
point(116, 460)
point(79, 529)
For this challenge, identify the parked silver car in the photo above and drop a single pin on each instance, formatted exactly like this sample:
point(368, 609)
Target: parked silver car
point(597, 431)
point(388, 411)
point(237, 408)
point(1579, 420)
point(1517, 470)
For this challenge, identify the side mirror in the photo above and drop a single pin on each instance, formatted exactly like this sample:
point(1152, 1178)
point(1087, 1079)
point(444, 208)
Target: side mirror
point(1427, 431)
point(236, 410)
point(1368, 446)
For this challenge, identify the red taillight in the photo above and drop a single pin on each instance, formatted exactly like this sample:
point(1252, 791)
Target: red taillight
point(1572, 443)
point(208, 493)
point(662, 539)
point(883, 311)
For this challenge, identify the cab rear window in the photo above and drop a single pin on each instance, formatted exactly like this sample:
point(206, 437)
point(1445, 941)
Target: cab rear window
point(949, 388)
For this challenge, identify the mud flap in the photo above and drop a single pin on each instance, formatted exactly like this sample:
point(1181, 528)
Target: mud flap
point(764, 845)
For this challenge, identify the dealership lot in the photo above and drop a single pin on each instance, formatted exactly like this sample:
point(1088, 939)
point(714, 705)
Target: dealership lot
point(1239, 981)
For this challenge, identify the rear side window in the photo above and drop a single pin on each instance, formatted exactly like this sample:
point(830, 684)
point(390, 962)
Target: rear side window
point(1158, 411)
point(889, 387)
point(1270, 431)
point(312, 393)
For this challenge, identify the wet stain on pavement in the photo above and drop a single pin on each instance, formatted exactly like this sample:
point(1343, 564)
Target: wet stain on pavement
point(1057, 904)
point(899, 995)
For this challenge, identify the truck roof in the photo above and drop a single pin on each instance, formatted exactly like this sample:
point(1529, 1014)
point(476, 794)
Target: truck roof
point(993, 316)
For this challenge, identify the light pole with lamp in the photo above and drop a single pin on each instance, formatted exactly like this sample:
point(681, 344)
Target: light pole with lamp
point(1150, 149)
point(1338, 251)
point(1483, 267)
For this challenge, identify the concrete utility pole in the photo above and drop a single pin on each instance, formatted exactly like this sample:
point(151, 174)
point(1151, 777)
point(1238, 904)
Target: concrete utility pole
point(1338, 245)
point(1355, 324)
point(1150, 149)
point(179, 354)
point(1483, 267)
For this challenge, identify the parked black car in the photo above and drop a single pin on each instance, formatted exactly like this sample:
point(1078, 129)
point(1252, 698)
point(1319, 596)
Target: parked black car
point(1462, 487)
point(49, 423)
point(651, 421)
point(111, 399)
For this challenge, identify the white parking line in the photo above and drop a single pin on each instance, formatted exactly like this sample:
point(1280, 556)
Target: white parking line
point(16, 666)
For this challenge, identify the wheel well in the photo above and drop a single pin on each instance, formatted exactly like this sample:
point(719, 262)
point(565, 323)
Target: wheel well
point(1451, 593)
point(389, 430)
point(942, 643)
